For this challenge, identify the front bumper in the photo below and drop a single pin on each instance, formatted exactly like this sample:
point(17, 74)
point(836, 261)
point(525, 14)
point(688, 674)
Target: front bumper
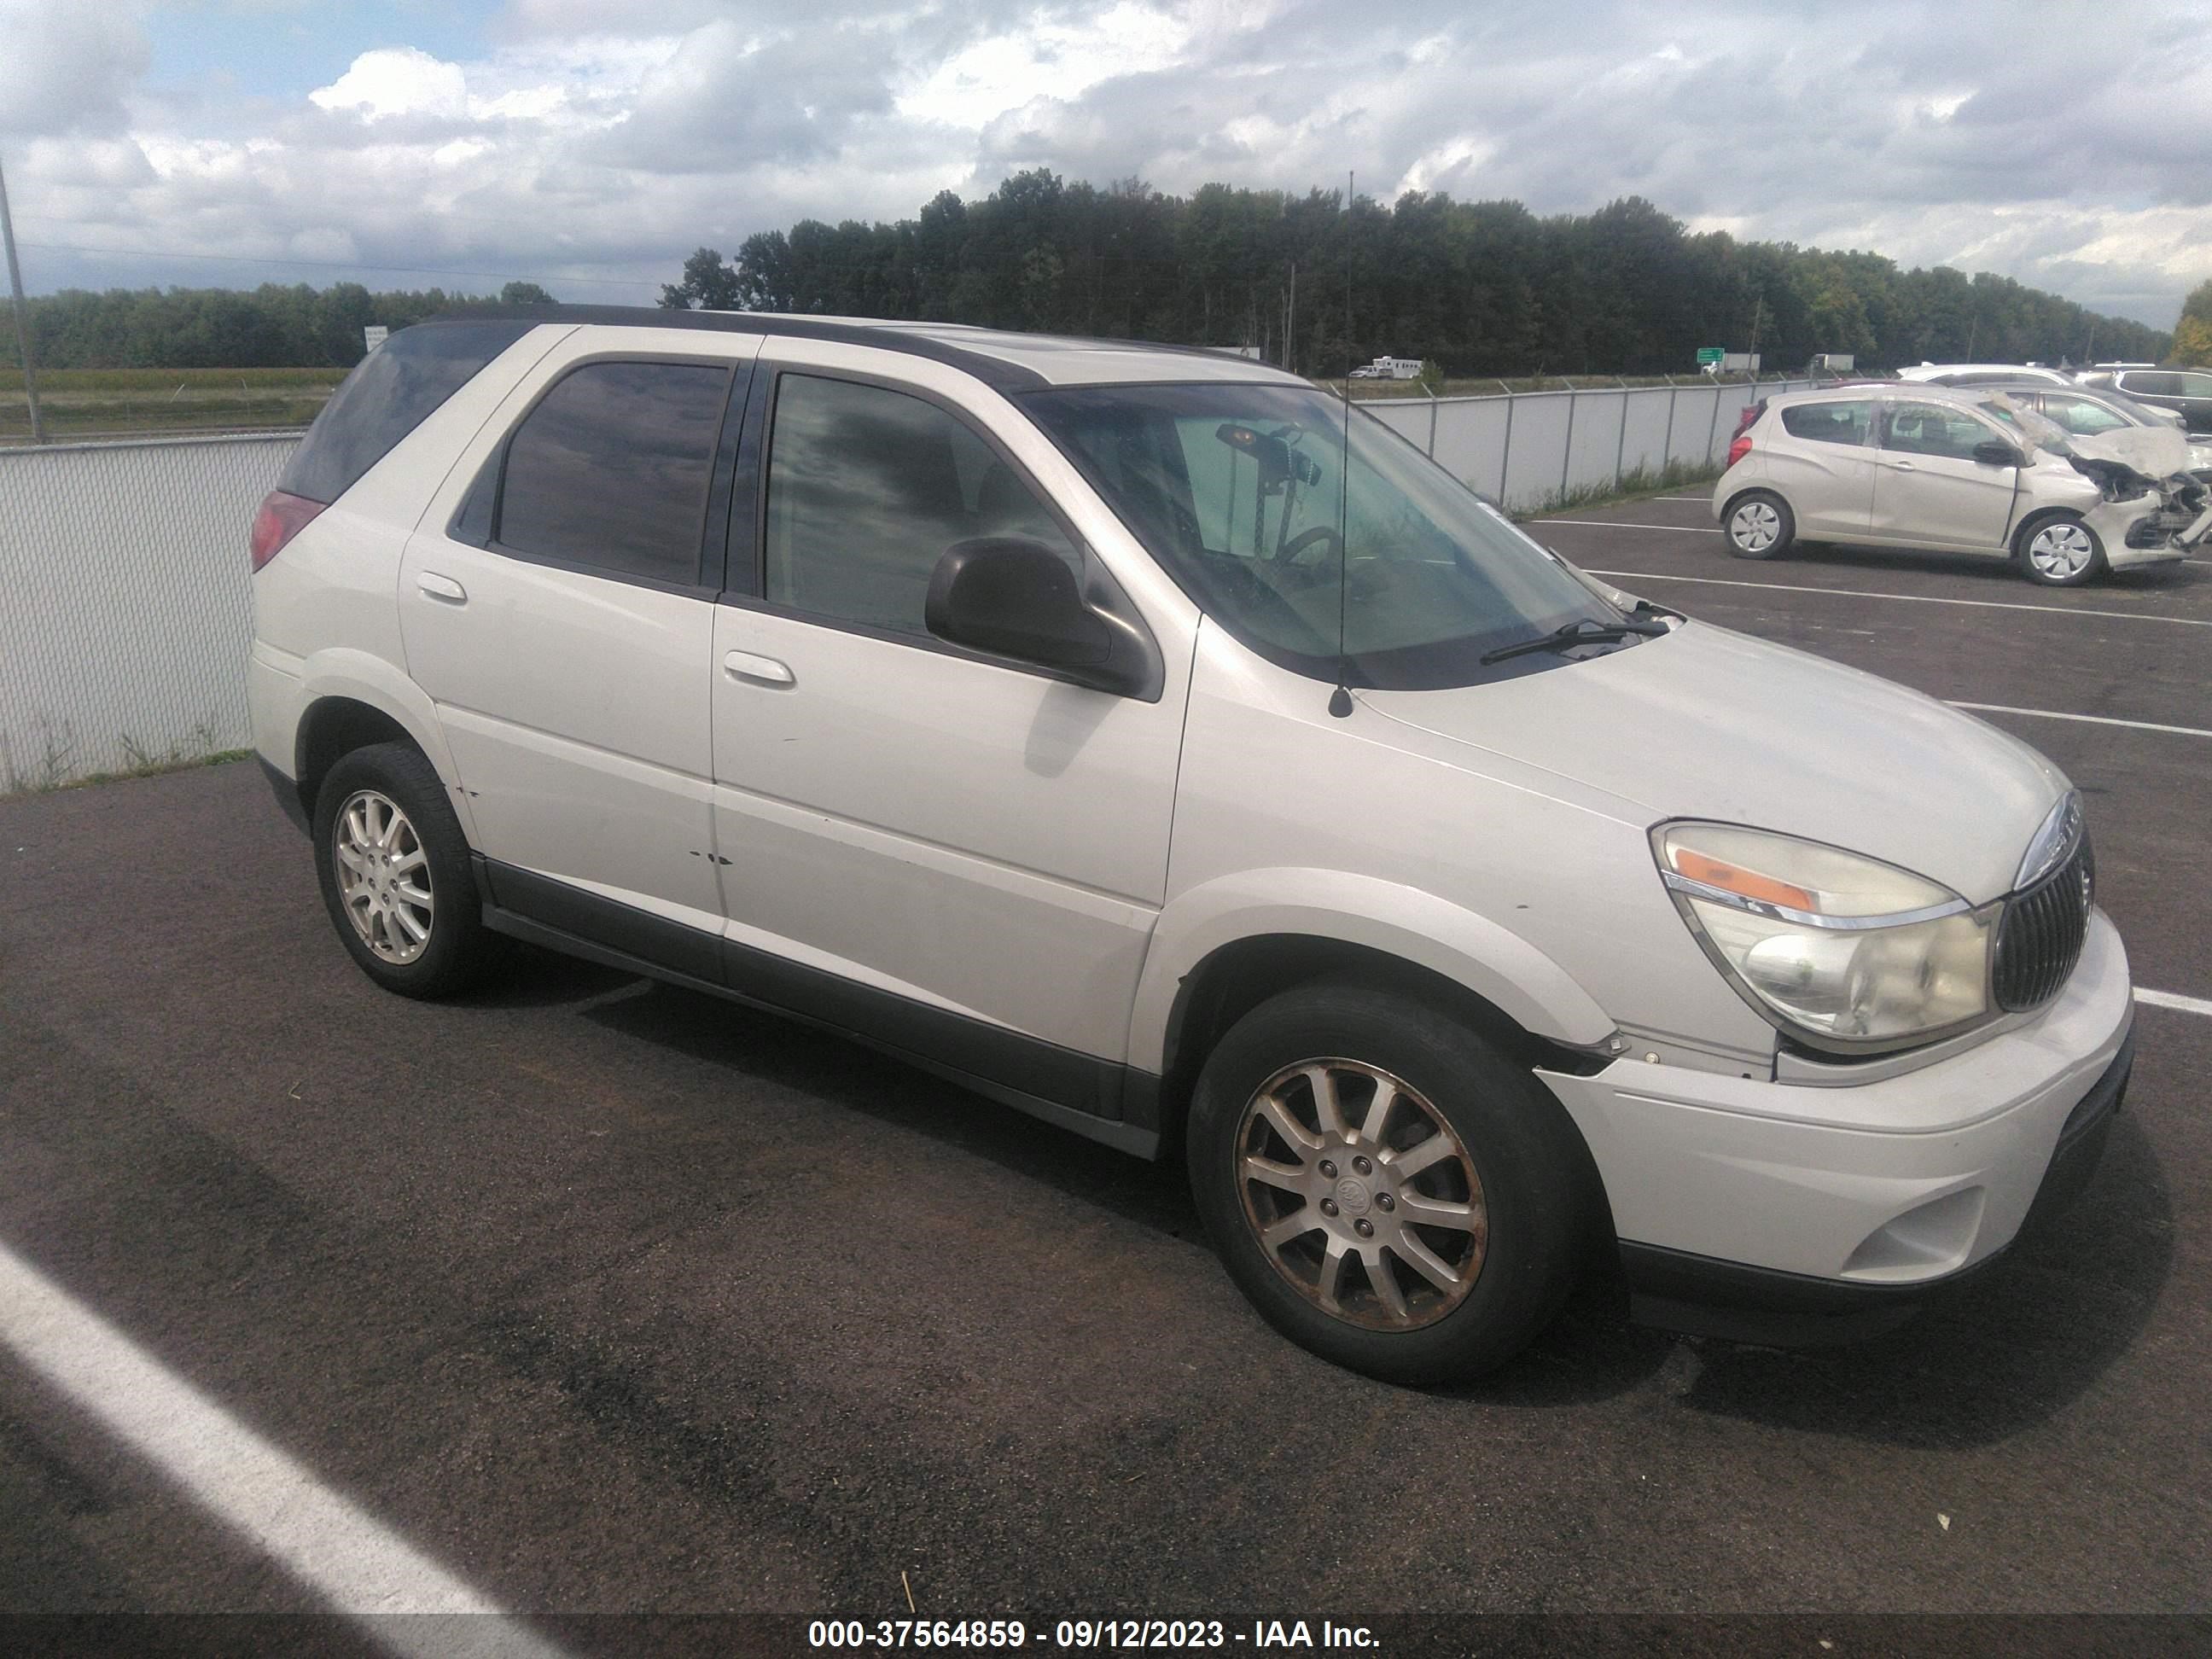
point(2134, 534)
point(1828, 1201)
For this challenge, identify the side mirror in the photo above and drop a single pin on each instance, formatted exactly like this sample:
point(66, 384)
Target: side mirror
point(1996, 451)
point(1012, 596)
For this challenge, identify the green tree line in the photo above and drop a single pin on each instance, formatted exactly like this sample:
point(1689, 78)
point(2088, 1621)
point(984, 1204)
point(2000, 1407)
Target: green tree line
point(1481, 288)
point(272, 326)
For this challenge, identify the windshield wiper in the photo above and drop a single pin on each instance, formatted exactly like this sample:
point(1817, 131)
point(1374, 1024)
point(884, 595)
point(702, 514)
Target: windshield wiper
point(1585, 632)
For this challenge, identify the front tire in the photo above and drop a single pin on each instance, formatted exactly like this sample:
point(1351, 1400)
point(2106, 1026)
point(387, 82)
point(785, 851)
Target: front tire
point(1389, 1190)
point(1760, 526)
point(2059, 551)
point(394, 867)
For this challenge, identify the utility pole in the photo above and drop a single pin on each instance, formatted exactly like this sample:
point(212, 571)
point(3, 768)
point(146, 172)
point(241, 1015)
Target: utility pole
point(23, 322)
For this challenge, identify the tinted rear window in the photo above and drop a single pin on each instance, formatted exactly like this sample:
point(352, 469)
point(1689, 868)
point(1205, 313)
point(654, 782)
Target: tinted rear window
point(390, 392)
point(1829, 423)
point(610, 472)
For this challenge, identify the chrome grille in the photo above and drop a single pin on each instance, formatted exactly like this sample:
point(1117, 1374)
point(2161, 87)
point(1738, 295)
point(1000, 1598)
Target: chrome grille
point(2040, 937)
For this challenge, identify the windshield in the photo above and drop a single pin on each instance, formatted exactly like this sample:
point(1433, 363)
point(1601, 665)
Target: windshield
point(1237, 490)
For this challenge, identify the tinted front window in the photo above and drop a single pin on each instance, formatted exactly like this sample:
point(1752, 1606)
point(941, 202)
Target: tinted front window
point(2196, 386)
point(1238, 491)
point(390, 392)
point(1843, 422)
point(609, 470)
point(1930, 429)
point(866, 490)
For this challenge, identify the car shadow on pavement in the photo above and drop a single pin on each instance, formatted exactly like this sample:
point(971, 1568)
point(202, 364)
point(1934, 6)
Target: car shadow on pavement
point(533, 978)
point(848, 1075)
point(2002, 1354)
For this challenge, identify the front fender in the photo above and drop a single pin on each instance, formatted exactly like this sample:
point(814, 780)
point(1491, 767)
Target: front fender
point(1491, 961)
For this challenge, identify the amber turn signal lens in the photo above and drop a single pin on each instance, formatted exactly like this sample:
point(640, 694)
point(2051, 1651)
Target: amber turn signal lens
point(1734, 878)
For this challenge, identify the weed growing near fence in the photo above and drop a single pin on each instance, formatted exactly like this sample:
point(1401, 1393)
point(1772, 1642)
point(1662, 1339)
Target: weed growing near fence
point(1630, 486)
point(47, 767)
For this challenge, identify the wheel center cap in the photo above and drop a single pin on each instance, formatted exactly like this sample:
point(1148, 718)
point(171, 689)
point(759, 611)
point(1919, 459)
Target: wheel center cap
point(1352, 1196)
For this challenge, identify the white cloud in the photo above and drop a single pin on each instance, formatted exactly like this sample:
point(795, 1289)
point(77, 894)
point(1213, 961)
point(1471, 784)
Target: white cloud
point(399, 81)
point(65, 69)
point(593, 139)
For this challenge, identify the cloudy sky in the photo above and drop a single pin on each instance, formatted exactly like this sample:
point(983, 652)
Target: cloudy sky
point(589, 144)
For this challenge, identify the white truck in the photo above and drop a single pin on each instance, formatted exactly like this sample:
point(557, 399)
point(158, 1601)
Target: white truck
point(1389, 369)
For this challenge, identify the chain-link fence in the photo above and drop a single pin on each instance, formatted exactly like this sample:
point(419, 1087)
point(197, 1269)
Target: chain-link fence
point(125, 603)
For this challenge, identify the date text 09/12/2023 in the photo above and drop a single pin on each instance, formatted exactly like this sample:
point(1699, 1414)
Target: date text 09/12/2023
point(1085, 1633)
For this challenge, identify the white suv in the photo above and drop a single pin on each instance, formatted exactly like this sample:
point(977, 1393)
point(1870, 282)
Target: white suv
point(1154, 743)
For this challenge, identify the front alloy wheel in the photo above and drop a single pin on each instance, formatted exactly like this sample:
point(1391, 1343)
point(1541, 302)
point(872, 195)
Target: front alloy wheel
point(383, 876)
point(1389, 1188)
point(1360, 1195)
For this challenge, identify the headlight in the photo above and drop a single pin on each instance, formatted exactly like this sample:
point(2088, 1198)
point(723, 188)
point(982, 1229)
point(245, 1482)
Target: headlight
point(1842, 951)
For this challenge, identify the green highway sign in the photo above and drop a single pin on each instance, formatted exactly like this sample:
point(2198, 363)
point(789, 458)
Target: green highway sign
point(1710, 355)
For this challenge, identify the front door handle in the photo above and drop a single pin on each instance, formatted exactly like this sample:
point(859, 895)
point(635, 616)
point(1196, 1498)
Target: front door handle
point(744, 665)
point(1904, 466)
point(436, 586)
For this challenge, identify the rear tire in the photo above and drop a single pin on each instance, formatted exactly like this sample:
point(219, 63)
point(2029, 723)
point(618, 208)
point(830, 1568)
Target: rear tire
point(394, 868)
point(1760, 526)
point(2059, 551)
point(1430, 1245)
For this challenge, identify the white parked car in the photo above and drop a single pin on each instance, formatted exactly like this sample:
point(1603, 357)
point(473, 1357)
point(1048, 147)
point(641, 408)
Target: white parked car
point(1970, 375)
point(1083, 722)
point(1959, 471)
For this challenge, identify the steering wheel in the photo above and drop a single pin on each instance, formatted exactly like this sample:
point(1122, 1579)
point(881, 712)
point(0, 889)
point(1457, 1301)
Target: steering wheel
point(1288, 553)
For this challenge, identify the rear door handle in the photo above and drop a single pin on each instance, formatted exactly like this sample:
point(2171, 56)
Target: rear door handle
point(436, 586)
point(743, 665)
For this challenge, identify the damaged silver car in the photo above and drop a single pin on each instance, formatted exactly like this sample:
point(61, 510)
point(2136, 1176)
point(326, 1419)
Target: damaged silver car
point(1958, 471)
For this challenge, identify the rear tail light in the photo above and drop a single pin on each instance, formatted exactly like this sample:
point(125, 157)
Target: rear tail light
point(1738, 450)
point(281, 518)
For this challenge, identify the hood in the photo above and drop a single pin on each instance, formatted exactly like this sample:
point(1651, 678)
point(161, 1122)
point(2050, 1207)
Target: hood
point(2156, 452)
point(1704, 723)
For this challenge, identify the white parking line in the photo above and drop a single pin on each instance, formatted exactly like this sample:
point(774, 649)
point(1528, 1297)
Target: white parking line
point(2168, 999)
point(360, 1566)
point(2087, 720)
point(1908, 599)
point(1623, 524)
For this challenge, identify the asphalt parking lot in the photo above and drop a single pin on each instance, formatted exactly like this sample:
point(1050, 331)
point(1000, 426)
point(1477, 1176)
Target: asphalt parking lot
point(604, 1298)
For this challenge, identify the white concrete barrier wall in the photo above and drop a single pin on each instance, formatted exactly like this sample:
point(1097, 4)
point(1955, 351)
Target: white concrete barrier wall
point(1528, 448)
point(125, 598)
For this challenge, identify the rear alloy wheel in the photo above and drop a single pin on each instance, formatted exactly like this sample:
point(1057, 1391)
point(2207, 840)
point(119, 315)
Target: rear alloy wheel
point(383, 877)
point(1760, 526)
point(395, 873)
point(1389, 1189)
point(2060, 551)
